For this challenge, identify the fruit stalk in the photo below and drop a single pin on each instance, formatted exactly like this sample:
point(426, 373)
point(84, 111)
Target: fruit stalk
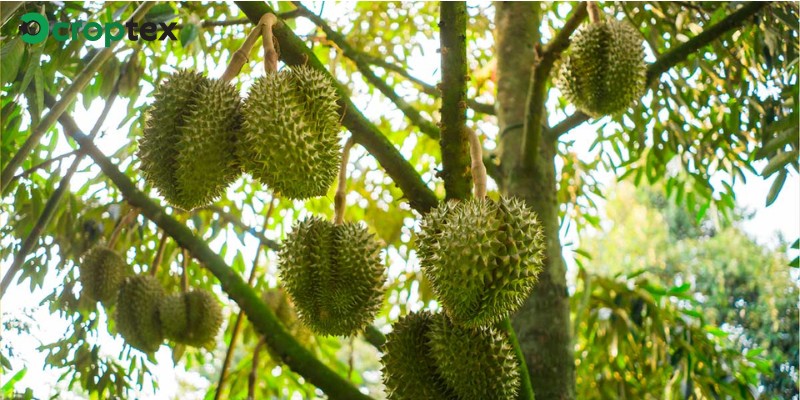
point(240, 56)
point(478, 169)
point(127, 219)
point(267, 40)
point(340, 198)
point(594, 11)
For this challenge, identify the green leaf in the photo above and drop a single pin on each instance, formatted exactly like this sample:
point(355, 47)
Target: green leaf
point(11, 59)
point(676, 290)
point(778, 162)
point(188, 34)
point(8, 387)
point(776, 187)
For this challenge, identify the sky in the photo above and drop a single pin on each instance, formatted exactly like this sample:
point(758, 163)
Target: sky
point(782, 217)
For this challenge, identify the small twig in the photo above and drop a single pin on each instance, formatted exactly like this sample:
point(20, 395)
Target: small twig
point(162, 244)
point(241, 55)
point(526, 387)
point(478, 169)
point(267, 40)
point(251, 380)
point(340, 199)
point(594, 11)
point(185, 271)
point(127, 219)
point(44, 164)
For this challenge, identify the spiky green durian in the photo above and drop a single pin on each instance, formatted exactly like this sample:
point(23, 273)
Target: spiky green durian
point(334, 275)
point(604, 72)
point(192, 318)
point(137, 312)
point(476, 363)
point(291, 132)
point(409, 370)
point(101, 273)
point(188, 146)
point(481, 256)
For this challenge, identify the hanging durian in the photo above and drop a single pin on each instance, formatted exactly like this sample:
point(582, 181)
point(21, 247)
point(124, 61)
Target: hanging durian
point(409, 370)
point(291, 132)
point(137, 316)
point(101, 273)
point(475, 363)
point(334, 275)
point(481, 256)
point(188, 147)
point(603, 71)
point(192, 318)
point(285, 310)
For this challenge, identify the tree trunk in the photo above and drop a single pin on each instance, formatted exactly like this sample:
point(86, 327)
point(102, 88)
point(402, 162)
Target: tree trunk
point(542, 324)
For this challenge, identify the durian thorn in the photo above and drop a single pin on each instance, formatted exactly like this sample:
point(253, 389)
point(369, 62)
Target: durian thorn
point(478, 169)
point(267, 40)
point(185, 271)
point(341, 189)
point(241, 56)
point(594, 11)
point(127, 219)
point(162, 243)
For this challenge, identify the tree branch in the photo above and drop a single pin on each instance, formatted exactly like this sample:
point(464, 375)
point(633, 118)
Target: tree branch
point(294, 52)
point(675, 56)
point(537, 91)
point(424, 125)
point(454, 142)
point(66, 98)
point(44, 164)
point(292, 353)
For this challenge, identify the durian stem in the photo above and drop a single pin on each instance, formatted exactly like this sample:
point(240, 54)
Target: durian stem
point(118, 229)
point(185, 271)
point(526, 387)
point(270, 55)
point(478, 169)
point(240, 56)
point(594, 11)
point(162, 244)
point(339, 200)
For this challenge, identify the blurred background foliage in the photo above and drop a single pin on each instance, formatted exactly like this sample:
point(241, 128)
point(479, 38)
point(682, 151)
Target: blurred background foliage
point(670, 298)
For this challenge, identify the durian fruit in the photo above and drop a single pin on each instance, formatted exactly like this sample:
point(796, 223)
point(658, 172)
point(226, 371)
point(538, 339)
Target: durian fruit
point(101, 273)
point(284, 309)
point(481, 256)
point(476, 363)
point(334, 275)
point(291, 132)
point(409, 370)
point(188, 147)
point(137, 316)
point(192, 318)
point(604, 72)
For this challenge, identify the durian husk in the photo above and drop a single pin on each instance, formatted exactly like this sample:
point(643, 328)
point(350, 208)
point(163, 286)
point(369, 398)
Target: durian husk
point(102, 271)
point(481, 256)
point(409, 370)
point(475, 363)
point(333, 274)
point(137, 315)
point(290, 133)
point(192, 318)
point(189, 141)
point(604, 72)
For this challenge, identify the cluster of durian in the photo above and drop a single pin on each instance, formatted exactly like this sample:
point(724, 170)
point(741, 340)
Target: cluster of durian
point(199, 136)
point(334, 275)
point(604, 72)
point(144, 314)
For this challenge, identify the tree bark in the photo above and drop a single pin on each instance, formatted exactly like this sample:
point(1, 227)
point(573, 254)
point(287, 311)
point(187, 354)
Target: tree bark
point(542, 323)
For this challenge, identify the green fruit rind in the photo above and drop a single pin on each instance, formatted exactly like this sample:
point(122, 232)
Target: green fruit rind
point(191, 318)
point(604, 72)
point(290, 137)
point(137, 314)
point(188, 147)
point(334, 275)
point(476, 363)
point(482, 257)
point(409, 370)
point(101, 274)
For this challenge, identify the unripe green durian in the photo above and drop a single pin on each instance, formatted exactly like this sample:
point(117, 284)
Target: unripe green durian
point(409, 370)
point(476, 363)
point(291, 132)
point(188, 146)
point(334, 275)
point(101, 273)
point(192, 318)
point(481, 256)
point(604, 72)
point(285, 310)
point(137, 312)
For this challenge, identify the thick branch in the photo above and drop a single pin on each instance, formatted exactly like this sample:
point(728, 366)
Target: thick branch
point(294, 52)
point(67, 97)
point(454, 142)
point(292, 353)
point(427, 127)
point(677, 55)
